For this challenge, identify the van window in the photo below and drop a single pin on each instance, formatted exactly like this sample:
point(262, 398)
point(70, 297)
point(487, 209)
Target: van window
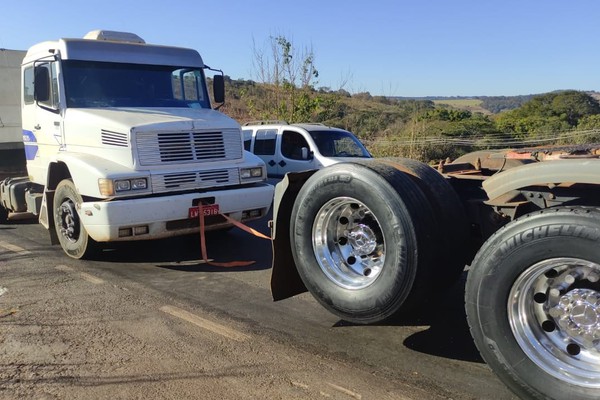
point(339, 143)
point(292, 144)
point(264, 142)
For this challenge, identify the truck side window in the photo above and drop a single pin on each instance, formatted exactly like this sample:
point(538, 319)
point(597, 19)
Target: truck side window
point(28, 85)
point(187, 85)
point(264, 143)
point(292, 144)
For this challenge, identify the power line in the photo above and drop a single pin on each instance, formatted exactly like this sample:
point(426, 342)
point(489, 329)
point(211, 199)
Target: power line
point(497, 140)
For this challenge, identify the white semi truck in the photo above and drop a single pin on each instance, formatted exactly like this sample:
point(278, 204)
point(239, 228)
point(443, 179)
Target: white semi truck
point(121, 143)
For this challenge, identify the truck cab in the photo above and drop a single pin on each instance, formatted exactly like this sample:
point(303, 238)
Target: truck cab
point(300, 147)
point(122, 143)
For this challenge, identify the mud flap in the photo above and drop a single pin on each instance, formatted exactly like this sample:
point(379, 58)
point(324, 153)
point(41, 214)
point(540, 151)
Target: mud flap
point(46, 218)
point(285, 281)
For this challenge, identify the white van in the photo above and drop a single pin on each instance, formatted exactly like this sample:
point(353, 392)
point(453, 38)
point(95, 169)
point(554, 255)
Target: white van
point(299, 147)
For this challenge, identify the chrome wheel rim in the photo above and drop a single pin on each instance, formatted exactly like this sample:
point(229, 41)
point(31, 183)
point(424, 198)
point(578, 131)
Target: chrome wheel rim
point(68, 221)
point(554, 313)
point(348, 243)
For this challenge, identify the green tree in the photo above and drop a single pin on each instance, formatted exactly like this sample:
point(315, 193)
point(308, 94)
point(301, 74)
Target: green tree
point(556, 111)
point(291, 75)
point(571, 105)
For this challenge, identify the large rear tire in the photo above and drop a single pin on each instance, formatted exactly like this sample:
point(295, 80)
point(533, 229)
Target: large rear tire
point(72, 235)
point(533, 304)
point(452, 224)
point(361, 241)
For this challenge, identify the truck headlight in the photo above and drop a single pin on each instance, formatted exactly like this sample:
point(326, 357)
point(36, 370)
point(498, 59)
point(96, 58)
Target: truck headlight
point(139, 184)
point(110, 187)
point(122, 185)
point(249, 173)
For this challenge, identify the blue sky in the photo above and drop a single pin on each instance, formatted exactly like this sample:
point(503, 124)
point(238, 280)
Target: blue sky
point(391, 48)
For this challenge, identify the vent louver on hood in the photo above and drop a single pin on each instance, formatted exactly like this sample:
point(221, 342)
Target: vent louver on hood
point(111, 138)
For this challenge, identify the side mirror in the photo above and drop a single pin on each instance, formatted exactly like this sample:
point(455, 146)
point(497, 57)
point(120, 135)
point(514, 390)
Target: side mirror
point(41, 84)
point(219, 89)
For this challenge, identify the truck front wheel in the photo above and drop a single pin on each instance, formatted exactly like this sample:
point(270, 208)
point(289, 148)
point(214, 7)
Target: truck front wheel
point(72, 235)
point(533, 304)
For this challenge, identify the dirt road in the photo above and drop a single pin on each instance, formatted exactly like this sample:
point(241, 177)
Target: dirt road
point(143, 324)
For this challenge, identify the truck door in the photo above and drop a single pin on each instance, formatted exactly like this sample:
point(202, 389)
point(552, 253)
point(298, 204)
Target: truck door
point(41, 119)
point(265, 142)
point(295, 153)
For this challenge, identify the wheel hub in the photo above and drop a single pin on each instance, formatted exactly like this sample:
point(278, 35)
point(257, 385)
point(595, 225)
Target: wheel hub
point(554, 312)
point(578, 313)
point(68, 226)
point(348, 243)
point(362, 239)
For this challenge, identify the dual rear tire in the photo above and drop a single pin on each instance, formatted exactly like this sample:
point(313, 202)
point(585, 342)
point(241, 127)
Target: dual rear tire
point(367, 241)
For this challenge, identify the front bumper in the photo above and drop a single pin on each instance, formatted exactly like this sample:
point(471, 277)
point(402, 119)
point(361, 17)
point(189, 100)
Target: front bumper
point(165, 216)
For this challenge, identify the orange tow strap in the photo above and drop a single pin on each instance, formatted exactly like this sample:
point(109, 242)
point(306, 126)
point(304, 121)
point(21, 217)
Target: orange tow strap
point(234, 222)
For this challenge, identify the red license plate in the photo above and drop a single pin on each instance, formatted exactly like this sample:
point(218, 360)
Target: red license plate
point(211, 209)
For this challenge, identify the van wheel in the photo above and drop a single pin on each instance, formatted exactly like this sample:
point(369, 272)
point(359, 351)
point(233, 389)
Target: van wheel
point(533, 304)
point(360, 240)
point(72, 235)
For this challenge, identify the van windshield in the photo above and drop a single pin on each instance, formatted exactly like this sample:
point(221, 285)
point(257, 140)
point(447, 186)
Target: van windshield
point(338, 143)
point(105, 84)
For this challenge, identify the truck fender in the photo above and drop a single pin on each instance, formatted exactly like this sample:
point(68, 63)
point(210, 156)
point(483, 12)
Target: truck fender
point(85, 169)
point(285, 281)
point(543, 174)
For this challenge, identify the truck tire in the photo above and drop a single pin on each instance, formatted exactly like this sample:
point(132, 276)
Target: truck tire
point(450, 219)
point(72, 235)
point(361, 241)
point(533, 304)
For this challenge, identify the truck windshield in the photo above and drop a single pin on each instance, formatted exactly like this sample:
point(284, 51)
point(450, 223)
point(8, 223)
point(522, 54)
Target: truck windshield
point(104, 84)
point(339, 144)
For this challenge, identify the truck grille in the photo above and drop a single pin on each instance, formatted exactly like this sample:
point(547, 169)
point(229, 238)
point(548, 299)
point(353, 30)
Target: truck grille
point(160, 148)
point(195, 180)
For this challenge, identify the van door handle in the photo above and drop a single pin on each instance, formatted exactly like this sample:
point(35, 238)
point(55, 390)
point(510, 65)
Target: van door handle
point(37, 127)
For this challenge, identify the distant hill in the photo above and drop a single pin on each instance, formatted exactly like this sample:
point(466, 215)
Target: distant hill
point(483, 104)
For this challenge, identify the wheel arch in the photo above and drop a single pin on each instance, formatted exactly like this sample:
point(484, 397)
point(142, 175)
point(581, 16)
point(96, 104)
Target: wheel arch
point(57, 171)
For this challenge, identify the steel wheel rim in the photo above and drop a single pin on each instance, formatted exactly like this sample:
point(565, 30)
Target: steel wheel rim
point(68, 221)
point(554, 313)
point(348, 243)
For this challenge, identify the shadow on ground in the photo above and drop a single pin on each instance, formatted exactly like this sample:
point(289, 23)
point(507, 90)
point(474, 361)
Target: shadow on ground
point(184, 253)
point(448, 334)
